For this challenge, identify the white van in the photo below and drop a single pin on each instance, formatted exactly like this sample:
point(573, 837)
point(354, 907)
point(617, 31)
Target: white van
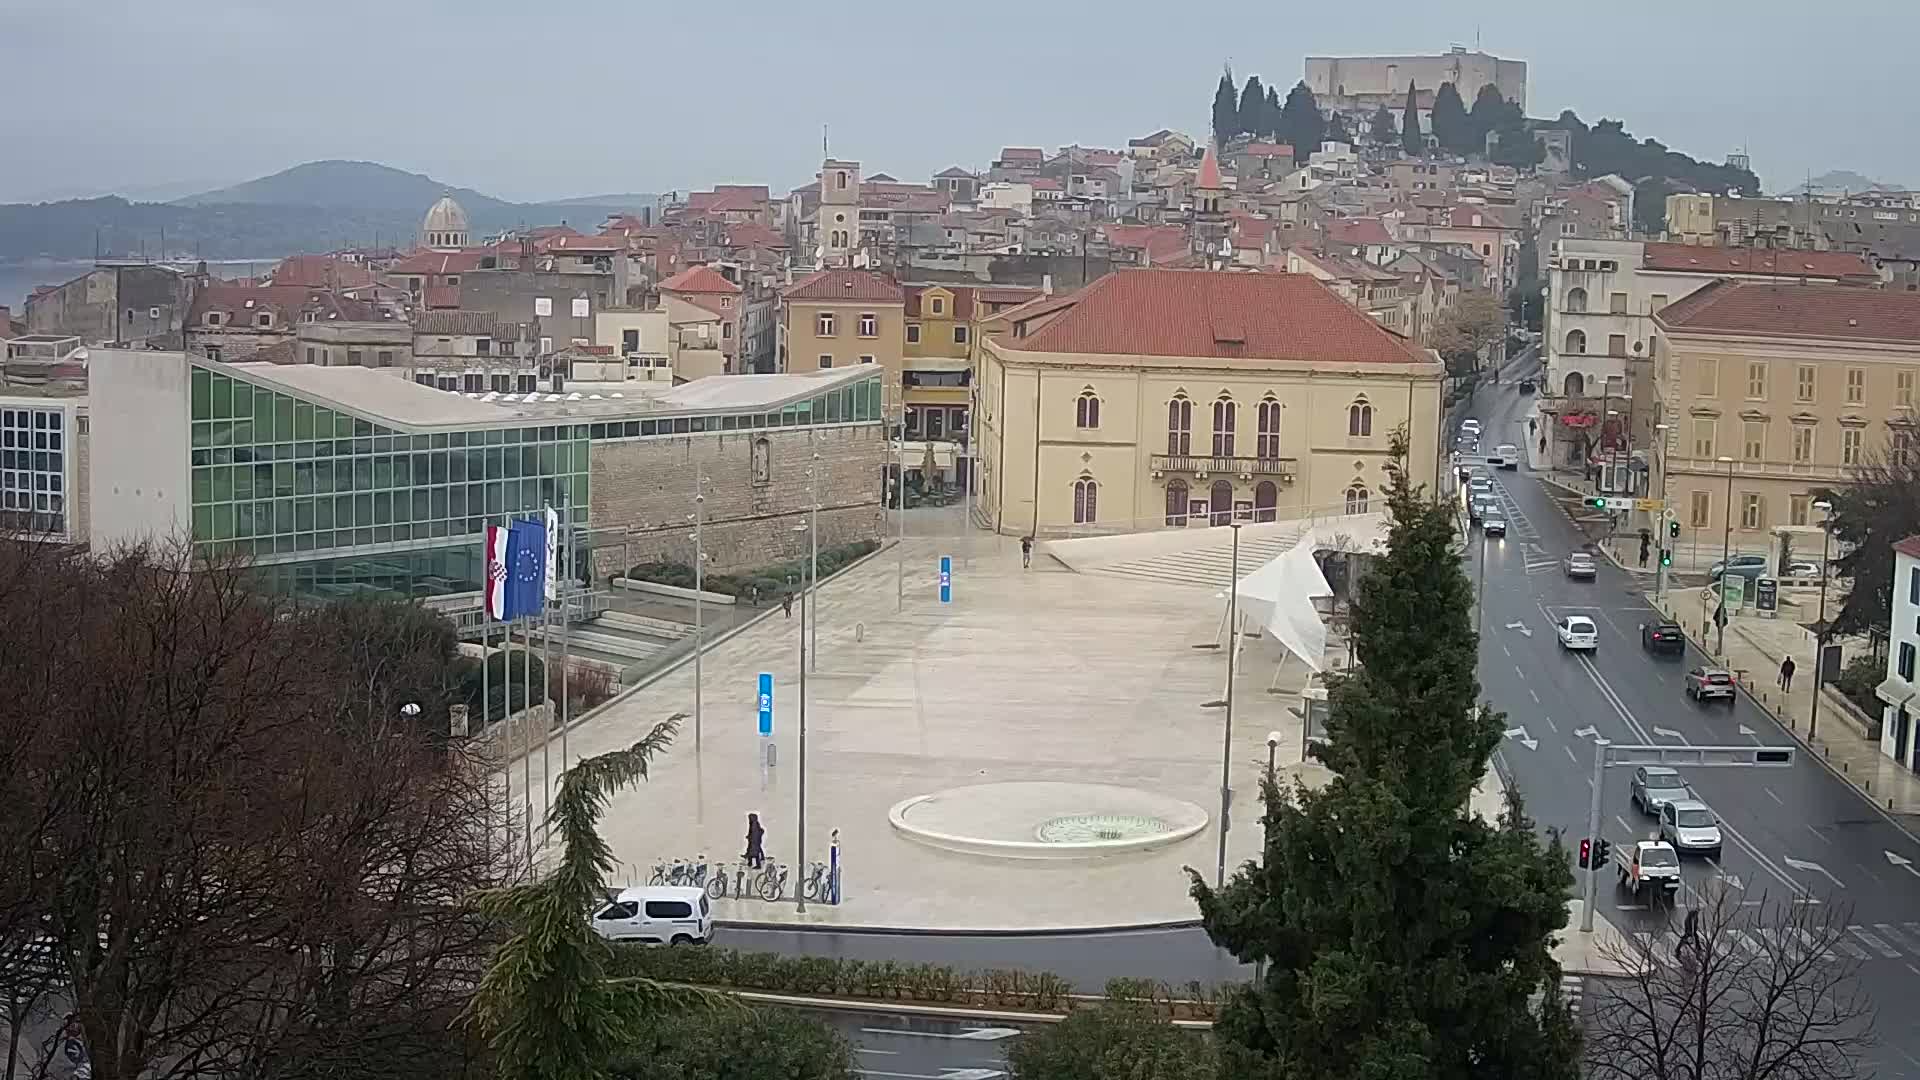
point(656, 915)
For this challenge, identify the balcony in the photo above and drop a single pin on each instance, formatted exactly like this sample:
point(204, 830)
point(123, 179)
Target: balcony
point(1284, 468)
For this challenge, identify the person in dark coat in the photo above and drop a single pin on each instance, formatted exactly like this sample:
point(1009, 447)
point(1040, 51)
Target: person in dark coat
point(756, 854)
point(1786, 674)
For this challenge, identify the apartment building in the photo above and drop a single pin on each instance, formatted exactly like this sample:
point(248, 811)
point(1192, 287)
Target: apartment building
point(1766, 392)
point(839, 318)
point(1898, 690)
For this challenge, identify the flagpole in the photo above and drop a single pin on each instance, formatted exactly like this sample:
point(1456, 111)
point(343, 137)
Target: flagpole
point(546, 724)
point(566, 622)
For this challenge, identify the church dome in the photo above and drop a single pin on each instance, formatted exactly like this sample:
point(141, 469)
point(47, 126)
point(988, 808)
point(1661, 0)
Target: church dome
point(445, 225)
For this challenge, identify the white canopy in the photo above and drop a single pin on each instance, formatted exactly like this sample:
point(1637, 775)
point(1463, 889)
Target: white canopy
point(1279, 596)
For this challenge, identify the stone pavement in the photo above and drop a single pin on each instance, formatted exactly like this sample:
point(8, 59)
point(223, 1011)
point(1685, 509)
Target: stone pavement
point(1755, 646)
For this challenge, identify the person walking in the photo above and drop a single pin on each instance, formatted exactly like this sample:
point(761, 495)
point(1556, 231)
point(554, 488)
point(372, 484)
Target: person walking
point(1786, 675)
point(1690, 931)
point(756, 855)
point(1026, 552)
point(786, 604)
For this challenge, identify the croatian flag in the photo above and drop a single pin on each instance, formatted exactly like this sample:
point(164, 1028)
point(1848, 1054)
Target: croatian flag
point(496, 553)
point(526, 569)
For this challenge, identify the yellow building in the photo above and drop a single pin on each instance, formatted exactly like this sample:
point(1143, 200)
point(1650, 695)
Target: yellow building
point(838, 318)
point(943, 335)
point(1180, 398)
point(1769, 392)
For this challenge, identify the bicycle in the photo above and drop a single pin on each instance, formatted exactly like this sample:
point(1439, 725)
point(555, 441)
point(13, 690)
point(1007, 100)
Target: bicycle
point(659, 874)
point(773, 882)
point(814, 885)
point(717, 884)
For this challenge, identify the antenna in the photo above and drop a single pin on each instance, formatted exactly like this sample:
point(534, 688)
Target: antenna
point(823, 143)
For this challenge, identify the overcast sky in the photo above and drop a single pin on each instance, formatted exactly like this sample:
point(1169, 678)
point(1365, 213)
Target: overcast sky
point(535, 101)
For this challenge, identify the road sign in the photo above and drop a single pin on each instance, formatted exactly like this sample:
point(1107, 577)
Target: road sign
point(1766, 594)
point(1650, 505)
point(946, 579)
point(1733, 590)
point(766, 704)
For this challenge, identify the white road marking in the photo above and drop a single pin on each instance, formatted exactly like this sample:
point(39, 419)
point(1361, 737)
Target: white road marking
point(1816, 832)
point(1875, 943)
point(1517, 671)
point(1772, 796)
point(1576, 761)
point(1894, 936)
point(1802, 864)
point(1853, 951)
point(1624, 827)
point(1551, 724)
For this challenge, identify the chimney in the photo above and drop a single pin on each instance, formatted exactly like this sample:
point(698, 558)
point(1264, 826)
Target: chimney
point(1046, 284)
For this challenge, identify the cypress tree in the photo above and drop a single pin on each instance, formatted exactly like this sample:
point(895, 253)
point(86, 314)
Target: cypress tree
point(1301, 124)
point(1403, 934)
point(1270, 117)
point(1253, 107)
point(1226, 113)
point(1382, 130)
point(1451, 128)
point(1489, 108)
point(1410, 138)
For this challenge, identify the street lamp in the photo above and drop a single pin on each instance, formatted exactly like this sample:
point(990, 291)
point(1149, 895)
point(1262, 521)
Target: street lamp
point(699, 606)
point(1726, 558)
point(900, 514)
point(1660, 528)
point(1273, 744)
point(1820, 636)
point(1226, 744)
point(800, 844)
point(1480, 604)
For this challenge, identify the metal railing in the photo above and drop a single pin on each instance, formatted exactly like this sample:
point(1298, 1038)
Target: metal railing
point(469, 615)
point(1254, 466)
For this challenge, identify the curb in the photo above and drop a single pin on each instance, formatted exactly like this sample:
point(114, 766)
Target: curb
point(931, 931)
point(901, 1008)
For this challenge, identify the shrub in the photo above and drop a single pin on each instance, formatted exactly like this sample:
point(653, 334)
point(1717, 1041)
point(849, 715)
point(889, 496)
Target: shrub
point(1113, 1042)
point(1857, 680)
point(735, 1044)
point(772, 580)
point(587, 685)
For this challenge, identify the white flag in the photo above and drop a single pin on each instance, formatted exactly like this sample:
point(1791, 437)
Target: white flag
point(553, 541)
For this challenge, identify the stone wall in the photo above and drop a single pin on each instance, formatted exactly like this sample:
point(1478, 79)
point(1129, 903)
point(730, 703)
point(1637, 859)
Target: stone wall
point(643, 496)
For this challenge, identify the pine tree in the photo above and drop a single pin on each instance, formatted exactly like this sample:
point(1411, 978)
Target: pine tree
point(1382, 130)
point(1410, 138)
point(1301, 124)
point(1270, 117)
point(1253, 107)
point(1488, 109)
point(1226, 114)
point(1403, 934)
point(1451, 128)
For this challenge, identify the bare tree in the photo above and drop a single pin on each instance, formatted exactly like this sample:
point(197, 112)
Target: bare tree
point(1756, 990)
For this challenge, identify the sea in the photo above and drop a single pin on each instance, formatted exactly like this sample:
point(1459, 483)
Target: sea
point(18, 278)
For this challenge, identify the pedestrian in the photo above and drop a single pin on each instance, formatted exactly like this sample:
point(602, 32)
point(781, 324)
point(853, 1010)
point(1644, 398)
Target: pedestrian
point(1786, 674)
point(753, 595)
point(1690, 930)
point(1026, 552)
point(786, 604)
point(756, 855)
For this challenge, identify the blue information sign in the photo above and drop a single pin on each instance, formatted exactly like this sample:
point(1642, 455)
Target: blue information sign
point(766, 703)
point(946, 579)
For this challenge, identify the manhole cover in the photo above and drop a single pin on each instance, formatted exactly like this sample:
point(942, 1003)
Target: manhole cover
point(1092, 828)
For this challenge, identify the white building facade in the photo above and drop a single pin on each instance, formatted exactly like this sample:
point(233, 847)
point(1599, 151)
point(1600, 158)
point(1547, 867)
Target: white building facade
point(1898, 734)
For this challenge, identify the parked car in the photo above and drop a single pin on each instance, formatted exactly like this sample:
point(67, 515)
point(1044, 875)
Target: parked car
point(1580, 565)
point(1664, 636)
point(1577, 632)
point(1654, 786)
point(1689, 826)
point(1746, 566)
point(1526, 386)
point(1710, 682)
point(1508, 455)
point(657, 915)
point(1492, 524)
point(1802, 570)
point(1471, 425)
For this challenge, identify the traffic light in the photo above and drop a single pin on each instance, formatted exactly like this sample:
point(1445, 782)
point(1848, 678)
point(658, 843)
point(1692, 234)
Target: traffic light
point(1673, 528)
point(1666, 557)
point(1601, 852)
point(1586, 849)
point(1598, 502)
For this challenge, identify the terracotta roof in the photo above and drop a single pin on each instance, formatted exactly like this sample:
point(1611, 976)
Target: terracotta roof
point(1215, 315)
point(321, 271)
point(962, 300)
point(1251, 231)
point(438, 262)
point(575, 242)
point(476, 323)
point(440, 297)
point(753, 234)
point(1160, 242)
point(1823, 312)
point(1046, 183)
point(1358, 231)
point(1210, 169)
point(286, 302)
point(1910, 547)
point(1005, 294)
point(699, 279)
point(1834, 265)
point(1267, 149)
point(1022, 153)
point(850, 285)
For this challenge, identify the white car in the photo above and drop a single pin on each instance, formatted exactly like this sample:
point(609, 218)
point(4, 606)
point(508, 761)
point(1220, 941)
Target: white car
point(1509, 456)
point(1471, 426)
point(1688, 825)
point(1577, 632)
point(656, 915)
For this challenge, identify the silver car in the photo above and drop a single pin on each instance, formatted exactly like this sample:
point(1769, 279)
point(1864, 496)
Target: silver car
point(1654, 786)
point(1689, 826)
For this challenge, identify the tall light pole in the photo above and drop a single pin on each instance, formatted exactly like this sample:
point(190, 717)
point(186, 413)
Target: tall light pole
point(1720, 615)
point(1226, 741)
point(813, 573)
point(800, 817)
point(1480, 604)
point(1660, 519)
point(1820, 637)
point(699, 605)
point(900, 514)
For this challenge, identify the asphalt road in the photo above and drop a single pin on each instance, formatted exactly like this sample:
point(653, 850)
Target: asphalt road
point(889, 1047)
point(1800, 832)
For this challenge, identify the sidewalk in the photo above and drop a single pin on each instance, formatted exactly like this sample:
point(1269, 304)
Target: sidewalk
point(1754, 649)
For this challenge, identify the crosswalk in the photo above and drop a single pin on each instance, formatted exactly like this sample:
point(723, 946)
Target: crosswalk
point(1881, 941)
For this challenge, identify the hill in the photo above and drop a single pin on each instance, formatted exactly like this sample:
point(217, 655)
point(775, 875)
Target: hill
point(358, 185)
point(1842, 180)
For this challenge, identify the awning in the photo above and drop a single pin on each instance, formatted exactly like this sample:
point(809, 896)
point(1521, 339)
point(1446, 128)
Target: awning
point(1895, 691)
point(1280, 595)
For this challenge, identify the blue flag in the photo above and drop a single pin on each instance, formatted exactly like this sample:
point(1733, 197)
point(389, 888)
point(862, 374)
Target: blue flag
point(526, 568)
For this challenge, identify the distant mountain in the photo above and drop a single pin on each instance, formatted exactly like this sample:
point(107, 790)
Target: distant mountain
point(1843, 180)
point(630, 201)
point(357, 185)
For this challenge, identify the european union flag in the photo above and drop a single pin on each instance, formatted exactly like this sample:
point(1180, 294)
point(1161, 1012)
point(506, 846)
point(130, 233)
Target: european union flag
point(526, 568)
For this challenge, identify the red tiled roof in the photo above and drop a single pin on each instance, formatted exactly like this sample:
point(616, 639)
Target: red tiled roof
point(847, 285)
point(1779, 309)
point(576, 242)
point(286, 302)
point(1834, 265)
point(1046, 183)
point(1215, 315)
point(441, 297)
point(321, 271)
point(962, 300)
point(1022, 153)
point(1910, 547)
point(753, 234)
point(438, 262)
point(1267, 149)
point(1160, 242)
point(1358, 231)
point(699, 279)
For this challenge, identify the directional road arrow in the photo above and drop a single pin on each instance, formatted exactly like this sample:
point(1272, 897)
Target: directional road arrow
point(1521, 734)
point(1903, 863)
point(1747, 731)
point(1669, 733)
point(1522, 627)
point(1587, 732)
point(1801, 864)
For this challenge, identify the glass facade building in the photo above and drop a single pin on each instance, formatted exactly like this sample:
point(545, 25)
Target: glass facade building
point(34, 466)
point(328, 503)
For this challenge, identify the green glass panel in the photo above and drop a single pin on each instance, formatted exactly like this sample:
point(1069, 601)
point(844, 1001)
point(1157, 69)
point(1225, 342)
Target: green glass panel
point(383, 508)
point(243, 481)
point(303, 420)
point(203, 433)
point(304, 541)
point(322, 423)
point(437, 507)
point(323, 512)
point(303, 515)
point(323, 477)
point(362, 429)
point(202, 394)
point(222, 482)
point(262, 416)
point(202, 523)
point(303, 478)
point(363, 535)
point(282, 516)
point(580, 455)
point(222, 397)
point(283, 408)
point(422, 506)
point(243, 522)
point(242, 400)
point(579, 491)
point(323, 538)
point(223, 522)
point(203, 485)
point(283, 478)
point(344, 512)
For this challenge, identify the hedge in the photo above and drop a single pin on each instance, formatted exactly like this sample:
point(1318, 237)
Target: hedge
point(892, 980)
point(772, 580)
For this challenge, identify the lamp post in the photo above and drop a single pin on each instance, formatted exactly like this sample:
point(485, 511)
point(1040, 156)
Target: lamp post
point(1720, 616)
point(900, 514)
point(1273, 744)
point(1226, 742)
point(1660, 519)
point(1480, 604)
point(800, 816)
point(699, 607)
point(813, 572)
point(1820, 637)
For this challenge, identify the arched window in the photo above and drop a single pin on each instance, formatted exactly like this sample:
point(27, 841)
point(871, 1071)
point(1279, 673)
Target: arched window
point(1576, 299)
point(1176, 502)
point(1086, 410)
point(840, 179)
point(1360, 418)
point(1576, 341)
point(1266, 500)
point(1357, 498)
point(1220, 503)
point(1086, 497)
point(1224, 412)
point(1179, 425)
point(1267, 445)
point(1576, 384)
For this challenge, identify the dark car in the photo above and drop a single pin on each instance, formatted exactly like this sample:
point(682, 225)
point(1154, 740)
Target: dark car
point(1664, 636)
point(1526, 386)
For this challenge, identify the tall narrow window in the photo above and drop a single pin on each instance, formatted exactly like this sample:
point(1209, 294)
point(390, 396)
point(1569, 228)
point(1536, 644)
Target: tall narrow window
point(1856, 385)
point(1224, 412)
point(1360, 419)
point(1176, 502)
point(1753, 510)
point(1086, 410)
point(1903, 387)
point(1699, 509)
point(1755, 441)
point(1576, 342)
point(1357, 498)
point(1850, 446)
point(1086, 496)
point(1702, 438)
point(1709, 377)
point(1267, 444)
point(869, 324)
point(1803, 444)
point(1179, 426)
point(1803, 385)
point(823, 325)
point(1757, 380)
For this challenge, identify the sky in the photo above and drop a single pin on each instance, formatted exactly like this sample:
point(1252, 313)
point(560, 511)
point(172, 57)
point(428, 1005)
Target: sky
point(530, 102)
